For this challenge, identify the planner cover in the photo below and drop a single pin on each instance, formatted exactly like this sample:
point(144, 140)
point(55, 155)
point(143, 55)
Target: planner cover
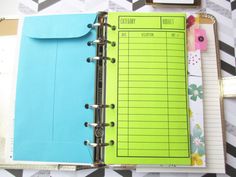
point(148, 85)
point(54, 83)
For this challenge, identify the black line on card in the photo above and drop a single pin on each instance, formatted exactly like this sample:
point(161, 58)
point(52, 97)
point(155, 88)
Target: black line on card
point(139, 61)
point(155, 49)
point(153, 68)
point(167, 66)
point(153, 101)
point(151, 107)
point(117, 114)
point(151, 75)
point(152, 120)
point(151, 56)
point(152, 94)
point(151, 43)
point(186, 96)
point(151, 156)
point(152, 87)
point(156, 114)
point(154, 37)
point(151, 128)
point(151, 149)
point(148, 81)
point(125, 80)
point(128, 95)
point(149, 135)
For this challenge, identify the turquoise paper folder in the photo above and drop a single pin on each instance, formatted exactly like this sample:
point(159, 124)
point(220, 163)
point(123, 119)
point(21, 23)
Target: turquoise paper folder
point(54, 83)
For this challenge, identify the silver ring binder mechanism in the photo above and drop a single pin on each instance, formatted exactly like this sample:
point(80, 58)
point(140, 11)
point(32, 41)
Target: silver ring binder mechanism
point(95, 125)
point(99, 107)
point(101, 41)
point(87, 143)
point(92, 59)
point(96, 106)
point(99, 24)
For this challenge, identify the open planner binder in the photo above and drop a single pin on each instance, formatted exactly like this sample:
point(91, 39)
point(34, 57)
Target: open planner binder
point(106, 89)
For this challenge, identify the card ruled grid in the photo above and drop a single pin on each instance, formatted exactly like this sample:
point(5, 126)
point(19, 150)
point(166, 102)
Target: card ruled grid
point(152, 101)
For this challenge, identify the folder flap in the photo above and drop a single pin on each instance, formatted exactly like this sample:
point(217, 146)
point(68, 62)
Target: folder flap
point(58, 26)
point(53, 87)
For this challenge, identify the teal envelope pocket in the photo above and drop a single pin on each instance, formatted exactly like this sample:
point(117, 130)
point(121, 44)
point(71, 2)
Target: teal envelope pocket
point(54, 83)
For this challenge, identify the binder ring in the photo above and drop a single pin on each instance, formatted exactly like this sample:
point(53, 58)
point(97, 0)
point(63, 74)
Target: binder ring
point(113, 27)
point(99, 24)
point(93, 25)
point(92, 59)
point(96, 106)
point(101, 42)
point(87, 143)
point(98, 125)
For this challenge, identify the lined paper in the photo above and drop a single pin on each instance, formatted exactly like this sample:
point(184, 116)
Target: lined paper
point(150, 78)
point(152, 101)
point(215, 160)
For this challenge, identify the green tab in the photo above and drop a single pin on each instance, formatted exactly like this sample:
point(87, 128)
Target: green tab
point(148, 85)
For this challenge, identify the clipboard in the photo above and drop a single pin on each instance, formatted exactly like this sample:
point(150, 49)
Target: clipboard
point(205, 19)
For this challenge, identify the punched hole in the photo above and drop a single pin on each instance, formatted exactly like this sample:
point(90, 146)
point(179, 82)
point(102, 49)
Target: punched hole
point(112, 124)
point(111, 142)
point(88, 60)
point(112, 106)
point(113, 28)
point(113, 60)
point(86, 143)
point(113, 44)
point(86, 106)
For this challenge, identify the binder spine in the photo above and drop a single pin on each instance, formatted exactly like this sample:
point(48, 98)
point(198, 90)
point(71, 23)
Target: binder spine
point(100, 106)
